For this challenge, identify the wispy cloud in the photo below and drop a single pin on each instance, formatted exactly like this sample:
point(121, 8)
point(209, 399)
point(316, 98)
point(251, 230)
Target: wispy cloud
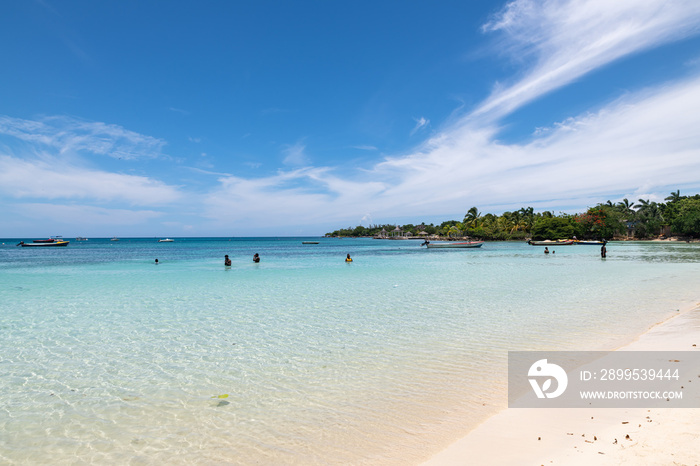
point(646, 138)
point(67, 134)
point(421, 123)
point(179, 110)
point(206, 172)
point(565, 39)
point(295, 154)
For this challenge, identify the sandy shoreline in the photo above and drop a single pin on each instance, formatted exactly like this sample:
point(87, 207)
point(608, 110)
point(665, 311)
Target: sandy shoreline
point(652, 436)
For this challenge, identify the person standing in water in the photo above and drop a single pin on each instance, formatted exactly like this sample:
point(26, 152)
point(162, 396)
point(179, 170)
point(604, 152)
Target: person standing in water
point(227, 261)
point(603, 250)
point(256, 258)
point(348, 258)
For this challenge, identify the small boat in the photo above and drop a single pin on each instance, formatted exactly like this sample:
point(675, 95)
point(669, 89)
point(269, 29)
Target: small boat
point(50, 240)
point(81, 238)
point(309, 242)
point(114, 239)
point(44, 244)
point(595, 243)
point(166, 240)
point(548, 242)
point(454, 245)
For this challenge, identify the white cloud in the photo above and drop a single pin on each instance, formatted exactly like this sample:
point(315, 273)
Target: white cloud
point(51, 179)
point(565, 39)
point(645, 139)
point(299, 197)
point(206, 172)
point(295, 154)
point(67, 134)
point(421, 123)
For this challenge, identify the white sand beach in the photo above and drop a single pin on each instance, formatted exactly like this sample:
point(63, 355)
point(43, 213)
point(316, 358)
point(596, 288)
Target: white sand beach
point(593, 436)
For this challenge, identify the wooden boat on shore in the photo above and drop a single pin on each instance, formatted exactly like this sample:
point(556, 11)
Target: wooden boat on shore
point(454, 245)
point(548, 242)
point(43, 244)
point(594, 243)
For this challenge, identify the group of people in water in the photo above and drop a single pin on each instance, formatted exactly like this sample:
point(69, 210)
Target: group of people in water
point(256, 259)
point(603, 250)
point(227, 261)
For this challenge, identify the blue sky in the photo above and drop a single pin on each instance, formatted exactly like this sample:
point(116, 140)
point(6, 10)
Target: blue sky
point(171, 118)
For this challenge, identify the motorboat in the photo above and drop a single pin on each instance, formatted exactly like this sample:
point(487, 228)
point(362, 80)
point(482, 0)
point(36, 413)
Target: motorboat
point(454, 245)
point(549, 242)
point(44, 244)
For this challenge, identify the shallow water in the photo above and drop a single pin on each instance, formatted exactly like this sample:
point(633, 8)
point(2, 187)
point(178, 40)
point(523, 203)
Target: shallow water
point(301, 359)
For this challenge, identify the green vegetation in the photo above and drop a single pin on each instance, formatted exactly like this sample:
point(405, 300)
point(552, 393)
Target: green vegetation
point(680, 215)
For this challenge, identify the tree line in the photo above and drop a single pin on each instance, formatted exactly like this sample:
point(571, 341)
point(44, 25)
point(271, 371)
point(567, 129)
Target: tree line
point(645, 219)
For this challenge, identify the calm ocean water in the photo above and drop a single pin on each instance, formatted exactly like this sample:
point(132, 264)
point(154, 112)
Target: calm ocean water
point(107, 358)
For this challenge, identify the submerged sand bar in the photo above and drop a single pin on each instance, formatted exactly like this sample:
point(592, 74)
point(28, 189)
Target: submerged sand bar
point(657, 436)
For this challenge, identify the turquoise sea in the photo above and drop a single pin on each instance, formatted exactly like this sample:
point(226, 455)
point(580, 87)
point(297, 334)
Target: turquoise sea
point(108, 358)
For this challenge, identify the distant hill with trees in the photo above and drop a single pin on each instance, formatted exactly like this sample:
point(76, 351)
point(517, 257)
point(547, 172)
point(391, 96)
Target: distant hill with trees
point(678, 216)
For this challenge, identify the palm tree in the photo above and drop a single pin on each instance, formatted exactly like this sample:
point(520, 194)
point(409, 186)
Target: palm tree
point(643, 205)
point(528, 218)
point(455, 230)
point(626, 208)
point(471, 220)
point(649, 215)
point(674, 197)
point(627, 205)
point(503, 223)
